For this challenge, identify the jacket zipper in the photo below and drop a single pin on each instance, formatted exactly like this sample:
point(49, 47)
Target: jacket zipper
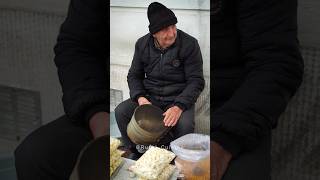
point(161, 63)
point(161, 72)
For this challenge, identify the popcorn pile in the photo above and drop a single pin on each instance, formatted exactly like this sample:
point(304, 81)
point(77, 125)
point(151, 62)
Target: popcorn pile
point(154, 164)
point(115, 154)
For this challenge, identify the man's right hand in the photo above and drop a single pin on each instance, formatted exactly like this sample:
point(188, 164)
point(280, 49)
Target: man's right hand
point(143, 100)
point(219, 161)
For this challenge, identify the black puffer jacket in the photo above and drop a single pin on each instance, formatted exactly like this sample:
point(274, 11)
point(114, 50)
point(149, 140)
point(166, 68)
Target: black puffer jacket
point(82, 59)
point(257, 67)
point(172, 76)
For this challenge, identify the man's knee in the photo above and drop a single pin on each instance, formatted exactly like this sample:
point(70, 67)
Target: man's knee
point(125, 109)
point(38, 147)
point(185, 124)
point(119, 109)
point(28, 157)
point(187, 120)
point(21, 155)
point(183, 129)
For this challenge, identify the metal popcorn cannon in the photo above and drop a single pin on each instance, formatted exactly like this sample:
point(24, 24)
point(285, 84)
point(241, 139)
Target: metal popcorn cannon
point(92, 161)
point(146, 126)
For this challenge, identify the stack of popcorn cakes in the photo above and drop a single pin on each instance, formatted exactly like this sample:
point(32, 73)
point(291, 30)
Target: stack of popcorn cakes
point(154, 164)
point(115, 154)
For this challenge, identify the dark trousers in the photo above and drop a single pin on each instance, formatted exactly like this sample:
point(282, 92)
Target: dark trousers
point(254, 165)
point(51, 151)
point(125, 110)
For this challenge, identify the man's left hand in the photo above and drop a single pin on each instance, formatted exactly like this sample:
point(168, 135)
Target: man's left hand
point(99, 124)
point(172, 116)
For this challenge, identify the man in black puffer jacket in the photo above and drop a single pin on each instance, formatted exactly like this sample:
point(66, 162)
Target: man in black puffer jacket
point(166, 71)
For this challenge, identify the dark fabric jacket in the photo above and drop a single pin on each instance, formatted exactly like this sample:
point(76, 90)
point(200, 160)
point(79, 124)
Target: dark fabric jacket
point(257, 67)
point(171, 76)
point(81, 56)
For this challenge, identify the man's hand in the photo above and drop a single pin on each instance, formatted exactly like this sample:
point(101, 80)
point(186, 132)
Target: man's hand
point(99, 124)
point(219, 161)
point(172, 116)
point(143, 100)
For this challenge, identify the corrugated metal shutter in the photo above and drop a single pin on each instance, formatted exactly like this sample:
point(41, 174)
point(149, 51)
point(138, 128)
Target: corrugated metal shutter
point(116, 98)
point(20, 112)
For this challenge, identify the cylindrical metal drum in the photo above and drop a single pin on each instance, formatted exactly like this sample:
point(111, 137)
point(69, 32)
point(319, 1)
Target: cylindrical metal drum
point(146, 126)
point(92, 161)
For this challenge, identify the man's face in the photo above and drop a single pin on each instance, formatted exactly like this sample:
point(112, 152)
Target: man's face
point(166, 36)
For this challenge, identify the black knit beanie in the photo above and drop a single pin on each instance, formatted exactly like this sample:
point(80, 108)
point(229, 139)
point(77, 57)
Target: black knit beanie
point(160, 17)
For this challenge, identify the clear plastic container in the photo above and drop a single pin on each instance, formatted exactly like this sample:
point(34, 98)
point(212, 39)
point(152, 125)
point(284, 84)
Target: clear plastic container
point(193, 156)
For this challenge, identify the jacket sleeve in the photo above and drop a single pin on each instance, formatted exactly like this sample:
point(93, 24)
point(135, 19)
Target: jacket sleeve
point(193, 69)
point(274, 69)
point(136, 75)
point(81, 59)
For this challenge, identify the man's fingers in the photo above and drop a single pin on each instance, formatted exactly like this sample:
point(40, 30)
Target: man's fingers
point(164, 113)
point(175, 122)
point(166, 118)
point(143, 101)
point(176, 118)
point(169, 121)
point(169, 118)
point(172, 120)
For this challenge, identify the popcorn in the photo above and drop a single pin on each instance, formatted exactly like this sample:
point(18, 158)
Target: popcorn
point(114, 144)
point(115, 155)
point(165, 174)
point(153, 163)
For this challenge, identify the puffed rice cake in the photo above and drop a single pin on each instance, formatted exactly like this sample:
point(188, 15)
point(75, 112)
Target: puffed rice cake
point(115, 155)
point(152, 162)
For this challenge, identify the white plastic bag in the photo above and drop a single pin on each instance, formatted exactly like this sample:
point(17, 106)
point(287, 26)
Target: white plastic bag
point(192, 147)
point(193, 155)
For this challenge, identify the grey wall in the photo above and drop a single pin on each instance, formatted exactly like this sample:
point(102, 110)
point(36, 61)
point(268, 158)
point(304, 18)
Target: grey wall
point(309, 22)
point(47, 6)
point(28, 31)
